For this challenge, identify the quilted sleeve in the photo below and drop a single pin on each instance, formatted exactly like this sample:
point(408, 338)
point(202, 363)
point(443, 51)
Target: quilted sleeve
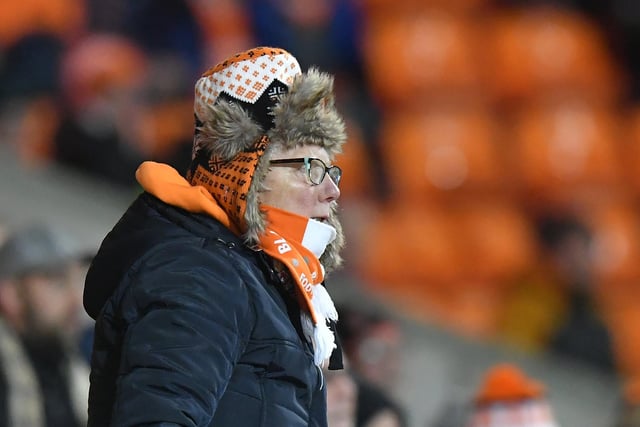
point(190, 318)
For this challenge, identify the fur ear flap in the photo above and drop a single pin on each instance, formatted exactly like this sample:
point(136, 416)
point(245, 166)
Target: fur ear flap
point(226, 130)
point(307, 114)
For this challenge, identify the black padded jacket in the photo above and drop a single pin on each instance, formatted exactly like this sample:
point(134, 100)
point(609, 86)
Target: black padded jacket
point(193, 329)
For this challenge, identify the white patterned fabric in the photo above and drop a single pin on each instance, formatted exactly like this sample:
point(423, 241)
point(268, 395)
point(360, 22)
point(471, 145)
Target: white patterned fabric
point(245, 76)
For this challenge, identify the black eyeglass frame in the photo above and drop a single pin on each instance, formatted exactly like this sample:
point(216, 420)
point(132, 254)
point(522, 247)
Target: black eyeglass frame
point(328, 170)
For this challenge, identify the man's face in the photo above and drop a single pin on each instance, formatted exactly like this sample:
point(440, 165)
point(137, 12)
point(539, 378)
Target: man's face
point(288, 188)
point(342, 397)
point(50, 303)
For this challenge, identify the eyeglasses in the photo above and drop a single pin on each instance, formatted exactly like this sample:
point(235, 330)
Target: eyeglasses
point(316, 169)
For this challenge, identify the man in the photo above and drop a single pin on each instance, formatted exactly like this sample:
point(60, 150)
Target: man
point(507, 397)
point(209, 292)
point(42, 381)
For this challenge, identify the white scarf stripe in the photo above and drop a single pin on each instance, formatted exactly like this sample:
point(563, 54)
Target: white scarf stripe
point(316, 238)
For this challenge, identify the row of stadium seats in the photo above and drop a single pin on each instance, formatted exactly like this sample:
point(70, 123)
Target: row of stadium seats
point(490, 120)
point(509, 56)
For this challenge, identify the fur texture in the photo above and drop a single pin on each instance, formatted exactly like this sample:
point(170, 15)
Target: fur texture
point(226, 130)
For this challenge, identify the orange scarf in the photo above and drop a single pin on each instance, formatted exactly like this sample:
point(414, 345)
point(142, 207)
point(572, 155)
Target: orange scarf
point(303, 265)
point(291, 239)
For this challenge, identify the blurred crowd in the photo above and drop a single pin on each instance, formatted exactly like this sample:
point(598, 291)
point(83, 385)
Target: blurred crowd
point(44, 377)
point(492, 179)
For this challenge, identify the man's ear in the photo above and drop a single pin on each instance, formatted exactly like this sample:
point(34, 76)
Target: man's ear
point(10, 302)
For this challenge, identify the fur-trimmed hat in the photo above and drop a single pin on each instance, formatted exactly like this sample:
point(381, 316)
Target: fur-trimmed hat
point(245, 108)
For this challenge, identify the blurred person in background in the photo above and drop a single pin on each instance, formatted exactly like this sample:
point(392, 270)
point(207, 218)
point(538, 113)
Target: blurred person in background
point(43, 380)
point(208, 293)
point(86, 325)
point(554, 309)
point(353, 403)
point(372, 344)
point(508, 398)
point(29, 90)
point(171, 36)
point(375, 408)
point(102, 78)
point(342, 398)
point(582, 333)
point(123, 105)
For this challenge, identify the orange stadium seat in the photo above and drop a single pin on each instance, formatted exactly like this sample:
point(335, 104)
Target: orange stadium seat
point(425, 56)
point(226, 27)
point(409, 246)
point(631, 148)
point(565, 152)
point(164, 126)
point(358, 195)
point(496, 245)
point(63, 18)
point(542, 52)
point(495, 237)
point(444, 265)
point(380, 9)
point(355, 160)
point(408, 257)
point(438, 151)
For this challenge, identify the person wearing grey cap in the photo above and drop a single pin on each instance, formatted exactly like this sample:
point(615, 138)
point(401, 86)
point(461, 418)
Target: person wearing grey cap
point(43, 381)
